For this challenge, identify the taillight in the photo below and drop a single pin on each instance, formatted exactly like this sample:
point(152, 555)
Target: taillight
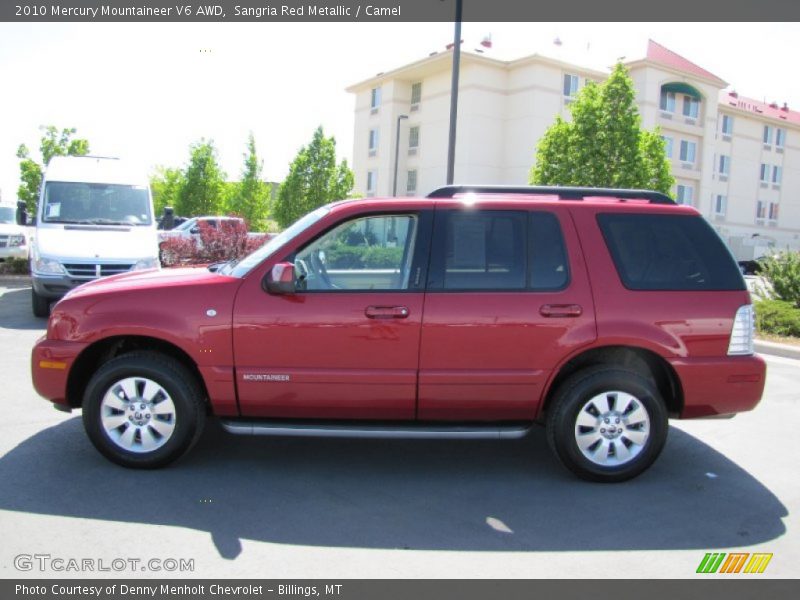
point(743, 331)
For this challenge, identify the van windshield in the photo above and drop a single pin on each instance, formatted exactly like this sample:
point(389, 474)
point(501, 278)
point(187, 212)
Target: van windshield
point(96, 204)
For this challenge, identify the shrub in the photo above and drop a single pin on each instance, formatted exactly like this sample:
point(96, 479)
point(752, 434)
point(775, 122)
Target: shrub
point(178, 251)
point(230, 241)
point(341, 256)
point(777, 317)
point(15, 266)
point(783, 273)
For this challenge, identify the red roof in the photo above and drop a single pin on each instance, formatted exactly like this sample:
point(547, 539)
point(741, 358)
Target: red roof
point(658, 53)
point(774, 111)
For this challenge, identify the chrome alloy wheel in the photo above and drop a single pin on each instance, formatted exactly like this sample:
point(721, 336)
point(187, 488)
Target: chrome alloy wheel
point(612, 428)
point(137, 414)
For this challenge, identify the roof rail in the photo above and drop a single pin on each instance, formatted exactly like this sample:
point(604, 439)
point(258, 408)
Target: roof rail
point(565, 193)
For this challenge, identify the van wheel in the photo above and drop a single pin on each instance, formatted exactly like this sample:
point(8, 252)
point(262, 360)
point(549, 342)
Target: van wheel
point(607, 424)
point(40, 305)
point(143, 410)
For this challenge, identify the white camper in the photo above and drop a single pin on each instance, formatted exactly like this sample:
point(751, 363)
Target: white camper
point(95, 218)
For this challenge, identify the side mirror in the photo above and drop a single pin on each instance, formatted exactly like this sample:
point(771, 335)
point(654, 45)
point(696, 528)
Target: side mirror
point(194, 230)
point(280, 280)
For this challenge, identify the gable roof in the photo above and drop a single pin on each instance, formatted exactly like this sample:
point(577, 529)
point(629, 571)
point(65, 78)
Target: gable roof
point(659, 54)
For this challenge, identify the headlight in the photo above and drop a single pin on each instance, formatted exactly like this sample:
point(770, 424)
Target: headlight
point(146, 263)
point(15, 241)
point(47, 266)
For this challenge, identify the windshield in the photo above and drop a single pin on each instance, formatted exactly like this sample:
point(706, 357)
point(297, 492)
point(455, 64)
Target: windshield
point(244, 266)
point(96, 204)
point(7, 215)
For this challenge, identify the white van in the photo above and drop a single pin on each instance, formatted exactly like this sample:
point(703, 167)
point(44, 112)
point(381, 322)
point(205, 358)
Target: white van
point(95, 218)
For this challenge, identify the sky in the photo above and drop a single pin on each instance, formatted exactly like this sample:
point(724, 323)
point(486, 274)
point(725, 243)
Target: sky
point(147, 91)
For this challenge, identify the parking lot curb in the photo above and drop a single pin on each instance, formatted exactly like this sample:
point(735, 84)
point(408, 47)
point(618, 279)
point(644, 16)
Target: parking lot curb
point(15, 279)
point(776, 349)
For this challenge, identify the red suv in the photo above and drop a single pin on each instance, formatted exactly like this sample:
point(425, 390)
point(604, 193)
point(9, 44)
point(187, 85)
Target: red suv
point(476, 312)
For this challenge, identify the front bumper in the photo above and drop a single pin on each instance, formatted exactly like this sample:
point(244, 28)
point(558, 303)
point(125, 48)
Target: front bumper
point(720, 386)
point(7, 252)
point(51, 362)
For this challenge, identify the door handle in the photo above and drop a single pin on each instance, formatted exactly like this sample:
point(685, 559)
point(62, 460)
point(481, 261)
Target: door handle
point(386, 312)
point(561, 310)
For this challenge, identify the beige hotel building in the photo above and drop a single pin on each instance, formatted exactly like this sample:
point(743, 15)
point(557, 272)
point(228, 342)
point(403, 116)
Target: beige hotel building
point(736, 159)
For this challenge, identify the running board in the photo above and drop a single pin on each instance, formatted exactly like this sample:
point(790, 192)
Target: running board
point(377, 430)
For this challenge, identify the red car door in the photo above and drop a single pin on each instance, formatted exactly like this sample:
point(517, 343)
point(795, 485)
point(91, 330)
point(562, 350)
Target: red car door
point(508, 298)
point(346, 345)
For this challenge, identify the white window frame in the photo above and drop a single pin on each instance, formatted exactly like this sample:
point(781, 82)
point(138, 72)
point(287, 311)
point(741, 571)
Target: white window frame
point(764, 173)
point(571, 89)
point(777, 175)
point(768, 135)
point(375, 99)
point(413, 132)
point(773, 212)
point(693, 105)
point(684, 194)
point(668, 145)
point(724, 165)
point(372, 183)
point(667, 101)
point(720, 205)
point(780, 137)
point(416, 98)
point(727, 119)
point(690, 152)
point(373, 141)
point(412, 174)
point(761, 210)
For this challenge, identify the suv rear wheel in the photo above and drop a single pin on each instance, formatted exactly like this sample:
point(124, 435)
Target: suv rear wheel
point(143, 410)
point(607, 424)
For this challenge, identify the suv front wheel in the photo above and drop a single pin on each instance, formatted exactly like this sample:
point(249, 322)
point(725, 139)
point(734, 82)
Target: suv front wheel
point(607, 424)
point(143, 410)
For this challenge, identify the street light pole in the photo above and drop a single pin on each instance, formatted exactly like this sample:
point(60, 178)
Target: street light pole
point(451, 148)
point(397, 152)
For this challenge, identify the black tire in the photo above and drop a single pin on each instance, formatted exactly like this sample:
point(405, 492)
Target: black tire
point(177, 384)
point(610, 456)
point(40, 305)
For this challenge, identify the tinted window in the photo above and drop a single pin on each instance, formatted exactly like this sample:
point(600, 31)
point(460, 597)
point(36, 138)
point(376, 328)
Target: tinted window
point(669, 252)
point(498, 250)
point(549, 266)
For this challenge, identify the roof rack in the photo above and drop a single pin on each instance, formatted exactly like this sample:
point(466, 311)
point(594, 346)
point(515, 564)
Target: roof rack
point(565, 193)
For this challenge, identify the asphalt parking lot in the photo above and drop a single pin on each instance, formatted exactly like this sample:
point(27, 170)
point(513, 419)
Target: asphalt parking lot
point(291, 508)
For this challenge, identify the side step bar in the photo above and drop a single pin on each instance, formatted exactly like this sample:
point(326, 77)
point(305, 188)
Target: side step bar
point(403, 430)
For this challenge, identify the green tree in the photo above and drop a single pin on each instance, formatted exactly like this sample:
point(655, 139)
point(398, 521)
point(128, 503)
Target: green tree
point(314, 179)
point(251, 196)
point(604, 144)
point(53, 143)
point(166, 185)
point(202, 189)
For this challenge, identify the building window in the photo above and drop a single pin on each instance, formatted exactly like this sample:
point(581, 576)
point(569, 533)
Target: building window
point(668, 142)
point(777, 175)
point(375, 99)
point(413, 138)
point(773, 212)
point(724, 164)
point(720, 205)
point(373, 142)
point(667, 101)
point(691, 107)
point(416, 93)
point(372, 180)
point(765, 173)
point(570, 85)
point(411, 183)
point(685, 194)
point(688, 151)
point(761, 210)
point(727, 125)
point(767, 134)
point(780, 138)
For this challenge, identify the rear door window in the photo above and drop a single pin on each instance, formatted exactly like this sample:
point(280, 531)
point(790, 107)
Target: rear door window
point(669, 252)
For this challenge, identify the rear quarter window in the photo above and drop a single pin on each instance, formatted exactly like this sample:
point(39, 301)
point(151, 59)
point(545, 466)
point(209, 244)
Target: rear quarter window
point(669, 252)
